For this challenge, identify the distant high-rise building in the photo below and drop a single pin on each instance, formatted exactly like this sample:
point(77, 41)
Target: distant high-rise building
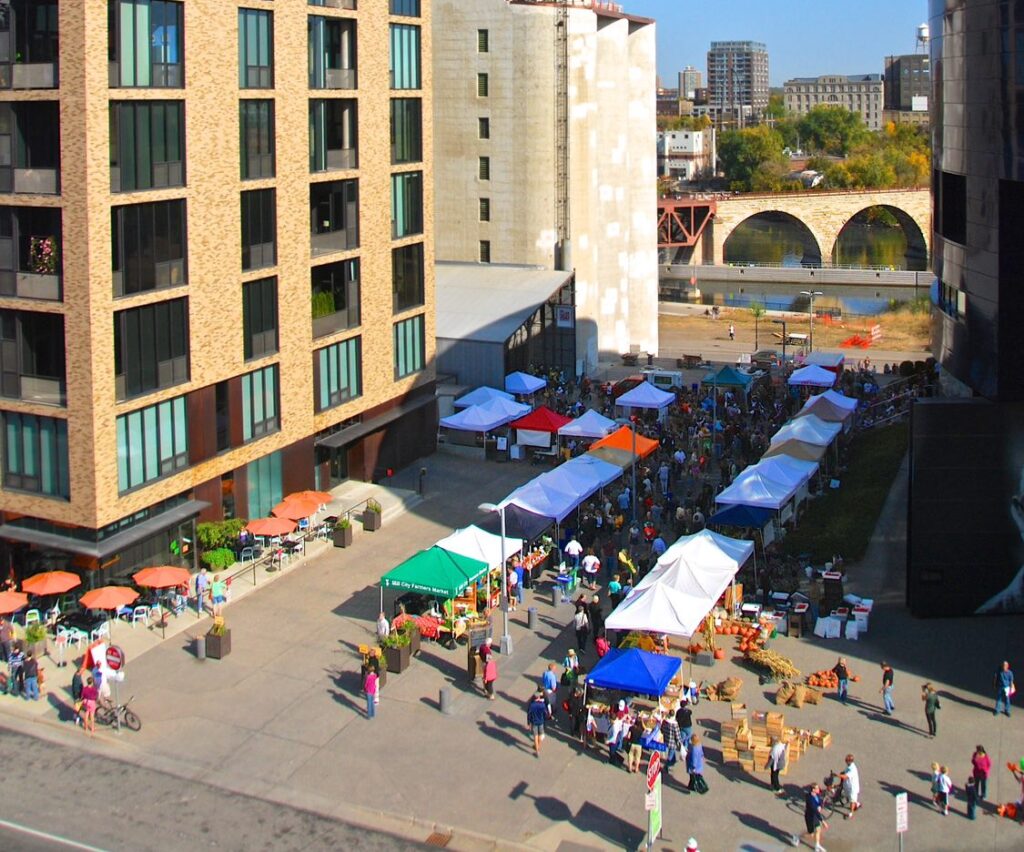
point(689, 81)
point(908, 84)
point(737, 79)
point(858, 93)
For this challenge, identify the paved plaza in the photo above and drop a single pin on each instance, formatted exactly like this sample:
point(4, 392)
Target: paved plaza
point(281, 718)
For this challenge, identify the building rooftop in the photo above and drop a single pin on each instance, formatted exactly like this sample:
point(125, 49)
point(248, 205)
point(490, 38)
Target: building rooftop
point(850, 78)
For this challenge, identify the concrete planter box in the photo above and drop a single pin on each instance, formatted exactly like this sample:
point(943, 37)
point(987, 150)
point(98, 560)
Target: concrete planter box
point(218, 647)
point(371, 520)
point(398, 658)
point(342, 536)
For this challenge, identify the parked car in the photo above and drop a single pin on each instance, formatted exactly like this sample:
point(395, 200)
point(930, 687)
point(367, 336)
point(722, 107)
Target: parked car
point(627, 384)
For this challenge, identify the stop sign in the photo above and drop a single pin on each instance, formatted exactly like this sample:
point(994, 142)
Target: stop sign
point(653, 768)
point(115, 658)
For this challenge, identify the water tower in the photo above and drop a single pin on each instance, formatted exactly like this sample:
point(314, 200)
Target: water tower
point(922, 38)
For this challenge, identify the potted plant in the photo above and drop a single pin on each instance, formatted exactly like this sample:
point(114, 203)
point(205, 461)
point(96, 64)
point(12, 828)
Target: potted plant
point(343, 533)
point(35, 640)
point(413, 630)
point(397, 650)
point(218, 639)
point(372, 515)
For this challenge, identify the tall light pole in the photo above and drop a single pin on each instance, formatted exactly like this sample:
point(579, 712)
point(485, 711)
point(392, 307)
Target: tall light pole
point(629, 421)
point(810, 294)
point(506, 637)
point(783, 324)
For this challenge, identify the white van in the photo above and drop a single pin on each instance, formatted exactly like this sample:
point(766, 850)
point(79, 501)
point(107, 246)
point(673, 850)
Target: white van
point(666, 380)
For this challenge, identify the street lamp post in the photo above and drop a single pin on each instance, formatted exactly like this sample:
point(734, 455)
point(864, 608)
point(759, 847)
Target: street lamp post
point(783, 324)
point(506, 637)
point(810, 294)
point(629, 421)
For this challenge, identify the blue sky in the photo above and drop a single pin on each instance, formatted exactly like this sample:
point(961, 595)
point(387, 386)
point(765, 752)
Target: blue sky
point(805, 38)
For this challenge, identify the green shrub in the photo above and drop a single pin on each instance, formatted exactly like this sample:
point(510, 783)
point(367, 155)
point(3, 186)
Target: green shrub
point(35, 633)
point(214, 534)
point(218, 558)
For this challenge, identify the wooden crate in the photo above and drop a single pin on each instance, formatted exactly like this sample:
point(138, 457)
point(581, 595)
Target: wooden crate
point(730, 755)
point(776, 719)
point(821, 739)
point(731, 729)
point(739, 711)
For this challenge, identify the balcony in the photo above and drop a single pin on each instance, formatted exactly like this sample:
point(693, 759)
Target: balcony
point(345, 239)
point(169, 373)
point(32, 75)
point(29, 44)
point(162, 75)
point(341, 158)
point(42, 390)
point(340, 78)
point(338, 321)
point(167, 273)
point(30, 285)
point(335, 4)
point(164, 175)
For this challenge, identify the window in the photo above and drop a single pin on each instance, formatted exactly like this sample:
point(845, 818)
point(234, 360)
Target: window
point(332, 53)
point(151, 443)
point(409, 351)
point(150, 348)
point(145, 43)
point(337, 373)
point(263, 478)
point(334, 216)
point(334, 294)
point(147, 145)
point(485, 168)
point(485, 251)
point(952, 204)
point(332, 135)
point(30, 152)
point(482, 41)
point(149, 251)
point(30, 41)
point(36, 454)
point(256, 127)
point(483, 128)
point(482, 85)
point(30, 252)
point(32, 357)
point(406, 204)
point(485, 210)
point(259, 229)
point(406, 130)
point(408, 8)
point(259, 317)
point(407, 277)
point(260, 414)
point(255, 49)
point(405, 56)
point(222, 415)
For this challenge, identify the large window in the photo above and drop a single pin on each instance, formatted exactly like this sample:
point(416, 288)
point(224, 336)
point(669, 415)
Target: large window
point(30, 147)
point(259, 228)
point(255, 49)
point(406, 204)
point(334, 216)
point(263, 478)
point(260, 414)
point(36, 454)
point(147, 144)
point(407, 277)
point(409, 349)
point(337, 373)
point(145, 43)
point(30, 252)
point(332, 53)
point(332, 135)
point(335, 296)
point(409, 8)
point(150, 348)
point(256, 125)
point(405, 56)
point(148, 246)
point(29, 44)
point(151, 443)
point(32, 357)
point(406, 130)
point(259, 317)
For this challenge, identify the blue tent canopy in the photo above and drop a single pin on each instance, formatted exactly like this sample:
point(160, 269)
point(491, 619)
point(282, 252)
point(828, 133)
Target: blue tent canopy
point(636, 671)
point(741, 516)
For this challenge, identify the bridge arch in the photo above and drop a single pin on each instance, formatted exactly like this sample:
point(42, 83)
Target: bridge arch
point(913, 256)
point(772, 237)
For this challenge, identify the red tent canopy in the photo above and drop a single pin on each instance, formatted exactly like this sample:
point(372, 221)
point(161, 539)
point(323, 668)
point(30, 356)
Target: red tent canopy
point(541, 419)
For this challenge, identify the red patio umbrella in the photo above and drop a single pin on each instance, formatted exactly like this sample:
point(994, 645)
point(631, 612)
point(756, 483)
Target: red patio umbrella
point(319, 497)
point(162, 577)
point(12, 602)
point(109, 597)
point(51, 583)
point(295, 509)
point(271, 526)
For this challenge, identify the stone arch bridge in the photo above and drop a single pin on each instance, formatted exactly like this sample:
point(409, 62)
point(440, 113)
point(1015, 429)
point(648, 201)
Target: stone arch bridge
point(702, 225)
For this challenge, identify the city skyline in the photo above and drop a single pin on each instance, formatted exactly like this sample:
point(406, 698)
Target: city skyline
point(841, 44)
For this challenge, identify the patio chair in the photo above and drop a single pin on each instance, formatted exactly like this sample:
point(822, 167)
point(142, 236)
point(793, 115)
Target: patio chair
point(101, 631)
point(248, 553)
point(32, 617)
point(72, 634)
point(140, 613)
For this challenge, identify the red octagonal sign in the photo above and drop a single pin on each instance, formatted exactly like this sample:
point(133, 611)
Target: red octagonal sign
point(115, 658)
point(653, 768)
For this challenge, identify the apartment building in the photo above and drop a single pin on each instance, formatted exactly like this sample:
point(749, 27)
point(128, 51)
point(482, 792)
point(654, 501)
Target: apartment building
point(857, 93)
point(215, 278)
point(737, 80)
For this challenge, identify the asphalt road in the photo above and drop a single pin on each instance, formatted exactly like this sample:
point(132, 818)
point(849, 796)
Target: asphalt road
point(57, 798)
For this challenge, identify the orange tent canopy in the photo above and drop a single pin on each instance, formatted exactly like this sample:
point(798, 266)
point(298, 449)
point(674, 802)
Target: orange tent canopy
point(623, 440)
point(51, 583)
point(12, 602)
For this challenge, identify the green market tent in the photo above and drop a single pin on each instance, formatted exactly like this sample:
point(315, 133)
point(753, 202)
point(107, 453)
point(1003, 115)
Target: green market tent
point(435, 571)
point(729, 377)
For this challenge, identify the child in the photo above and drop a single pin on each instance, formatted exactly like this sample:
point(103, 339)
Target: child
point(76, 695)
point(935, 783)
point(945, 786)
point(971, 789)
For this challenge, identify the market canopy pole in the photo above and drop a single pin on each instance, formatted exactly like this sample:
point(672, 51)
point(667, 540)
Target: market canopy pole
point(506, 637)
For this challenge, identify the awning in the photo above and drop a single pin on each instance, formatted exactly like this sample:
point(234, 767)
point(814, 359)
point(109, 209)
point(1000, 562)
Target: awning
point(524, 383)
point(810, 429)
point(646, 395)
point(486, 416)
point(519, 523)
point(796, 449)
point(590, 424)
point(812, 376)
point(435, 571)
point(752, 489)
point(480, 395)
point(542, 419)
point(544, 499)
point(483, 546)
point(623, 440)
point(636, 671)
point(741, 516)
point(353, 433)
point(728, 377)
point(108, 546)
point(620, 458)
point(843, 401)
point(824, 409)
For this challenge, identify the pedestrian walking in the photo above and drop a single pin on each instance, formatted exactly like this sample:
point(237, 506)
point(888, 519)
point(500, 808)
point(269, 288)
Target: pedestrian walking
point(673, 741)
point(851, 785)
point(202, 583)
point(536, 715)
point(490, 676)
point(15, 661)
point(691, 845)
point(732, 331)
point(383, 628)
point(218, 594)
point(776, 763)
point(573, 550)
point(515, 595)
point(77, 684)
point(616, 733)
point(1005, 688)
point(372, 688)
point(30, 670)
point(596, 616)
point(581, 624)
point(981, 765)
point(636, 748)
point(886, 690)
point(931, 706)
point(684, 718)
point(577, 713)
point(90, 696)
point(549, 684)
point(695, 765)
point(943, 787)
point(842, 673)
point(591, 567)
point(971, 792)
point(814, 821)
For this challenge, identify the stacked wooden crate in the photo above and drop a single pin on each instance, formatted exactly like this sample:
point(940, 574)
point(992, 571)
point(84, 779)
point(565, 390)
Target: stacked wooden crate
point(748, 741)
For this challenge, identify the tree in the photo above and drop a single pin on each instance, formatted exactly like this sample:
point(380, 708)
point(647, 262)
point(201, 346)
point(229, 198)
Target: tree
point(749, 152)
point(757, 311)
point(832, 130)
point(776, 107)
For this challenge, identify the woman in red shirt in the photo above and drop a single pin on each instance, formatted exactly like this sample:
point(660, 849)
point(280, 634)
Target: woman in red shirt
point(90, 695)
point(982, 764)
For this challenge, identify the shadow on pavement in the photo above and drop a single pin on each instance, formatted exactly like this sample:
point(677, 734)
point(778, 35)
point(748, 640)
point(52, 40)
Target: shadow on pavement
point(502, 736)
point(912, 797)
point(893, 722)
point(762, 825)
point(966, 702)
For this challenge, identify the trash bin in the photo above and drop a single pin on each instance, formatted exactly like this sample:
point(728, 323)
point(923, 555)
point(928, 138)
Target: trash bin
point(556, 595)
point(200, 647)
point(444, 700)
point(531, 618)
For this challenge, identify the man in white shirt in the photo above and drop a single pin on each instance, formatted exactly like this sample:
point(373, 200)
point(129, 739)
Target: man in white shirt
point(851, 785)
point(573, 550)
point(383, 628)
point(776, 763)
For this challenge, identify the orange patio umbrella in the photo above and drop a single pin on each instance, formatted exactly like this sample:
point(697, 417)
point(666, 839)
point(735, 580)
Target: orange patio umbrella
point(12, 602)
point(319, 497)
point(109, 597)
point(162, 577)
point(295, 509)
point(271, 526)
point(51, 583)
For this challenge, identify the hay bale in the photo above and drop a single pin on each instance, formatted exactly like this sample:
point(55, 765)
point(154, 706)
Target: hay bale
point(799, 696)
point(783, 693)
point(813, 696)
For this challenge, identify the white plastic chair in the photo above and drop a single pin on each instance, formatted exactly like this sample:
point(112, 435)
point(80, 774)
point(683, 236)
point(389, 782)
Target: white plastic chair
point(101, 631)
point(140, 613)
point(73, 634)
point(248, 553)
point(32, 617)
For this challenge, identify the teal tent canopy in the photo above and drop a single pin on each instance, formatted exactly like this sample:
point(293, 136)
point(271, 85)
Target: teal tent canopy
point(729, 377)
point(435, 571)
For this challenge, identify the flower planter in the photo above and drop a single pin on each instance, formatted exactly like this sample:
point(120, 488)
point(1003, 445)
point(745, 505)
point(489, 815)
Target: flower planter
point(343, 536)
point(218, 647)
point(371, 520)
point(398, 658)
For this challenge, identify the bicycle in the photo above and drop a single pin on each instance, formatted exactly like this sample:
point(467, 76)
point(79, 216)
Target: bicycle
point(832, 797)
point(109, 714)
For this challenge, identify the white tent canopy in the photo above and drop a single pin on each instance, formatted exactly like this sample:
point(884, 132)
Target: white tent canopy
point(707, 551)
point(785, 469)
point(836, 398)
point(646, 395)
point(812, 376)
point(590, 424)
point(752, 489)
point(810, 430)
point(543, 498)
point(485, 417)
point(480, 396)
point(662, 609)
point(523, 383)
point(582, 475)
point(480, 545)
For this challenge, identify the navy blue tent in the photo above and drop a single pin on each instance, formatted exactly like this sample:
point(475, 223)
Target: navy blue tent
point(741, 516)
point(636, 671)
point(519, 523)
